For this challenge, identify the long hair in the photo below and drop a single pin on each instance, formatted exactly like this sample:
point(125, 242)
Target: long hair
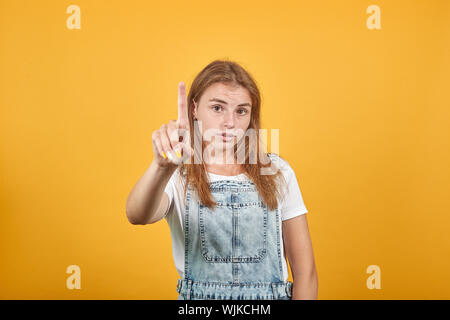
point(231, 73)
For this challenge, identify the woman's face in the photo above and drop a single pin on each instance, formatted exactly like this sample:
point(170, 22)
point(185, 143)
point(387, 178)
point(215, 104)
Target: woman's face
point(223, 109)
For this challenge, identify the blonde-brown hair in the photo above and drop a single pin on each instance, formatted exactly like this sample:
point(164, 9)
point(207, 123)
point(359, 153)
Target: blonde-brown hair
point(231, 73)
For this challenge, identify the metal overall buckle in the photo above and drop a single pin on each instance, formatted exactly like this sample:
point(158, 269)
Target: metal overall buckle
point(289, 289)
point(179, 284)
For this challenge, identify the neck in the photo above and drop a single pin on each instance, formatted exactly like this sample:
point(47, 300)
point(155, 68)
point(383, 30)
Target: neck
point(222, 162)
point(224, 170)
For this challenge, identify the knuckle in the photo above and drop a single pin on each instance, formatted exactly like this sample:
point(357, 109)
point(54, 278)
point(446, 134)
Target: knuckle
point(163, 136)
point(173, 136)
point(164, 144)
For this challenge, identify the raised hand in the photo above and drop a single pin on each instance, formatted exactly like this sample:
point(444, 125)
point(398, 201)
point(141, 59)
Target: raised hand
point(171, 142)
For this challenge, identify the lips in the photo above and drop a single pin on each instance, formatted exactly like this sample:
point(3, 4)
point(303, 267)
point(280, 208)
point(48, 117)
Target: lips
point(227, 135)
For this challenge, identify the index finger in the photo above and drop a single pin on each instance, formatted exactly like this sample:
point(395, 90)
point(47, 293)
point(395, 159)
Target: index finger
point(182, 121)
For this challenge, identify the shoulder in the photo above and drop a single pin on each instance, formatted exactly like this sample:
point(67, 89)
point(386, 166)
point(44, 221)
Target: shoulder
point(276, 156)
point(282, 164)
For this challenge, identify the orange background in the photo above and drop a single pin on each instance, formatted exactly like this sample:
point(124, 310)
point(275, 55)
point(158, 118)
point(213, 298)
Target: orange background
point(363, 118)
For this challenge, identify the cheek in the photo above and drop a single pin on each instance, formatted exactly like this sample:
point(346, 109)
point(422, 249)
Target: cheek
point(209, 129)
point(248, 122)
point(244, 126)
point(209, 122)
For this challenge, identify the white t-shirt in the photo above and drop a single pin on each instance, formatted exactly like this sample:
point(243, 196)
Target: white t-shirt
point(291, 206)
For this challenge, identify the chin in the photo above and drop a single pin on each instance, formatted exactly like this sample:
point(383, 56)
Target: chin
point(225, 146)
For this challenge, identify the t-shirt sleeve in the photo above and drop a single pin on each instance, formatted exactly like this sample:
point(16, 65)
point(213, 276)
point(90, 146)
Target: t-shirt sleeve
point(292, 205)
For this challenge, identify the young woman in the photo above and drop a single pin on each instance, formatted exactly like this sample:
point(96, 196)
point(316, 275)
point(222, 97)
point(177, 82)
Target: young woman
point(233, 219)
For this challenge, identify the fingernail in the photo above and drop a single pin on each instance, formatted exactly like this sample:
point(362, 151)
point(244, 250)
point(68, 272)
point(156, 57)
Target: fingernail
point(164, 155)
point(178, 154)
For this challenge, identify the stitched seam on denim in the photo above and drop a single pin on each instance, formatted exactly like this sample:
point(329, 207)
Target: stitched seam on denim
point(217, 284)
point(236, 205)
point(231, 189)
point(186, 236)
point(200, 289)
point(234, 244)
point(278, 242)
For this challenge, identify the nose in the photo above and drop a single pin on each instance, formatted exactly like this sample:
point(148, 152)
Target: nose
point(229, 120)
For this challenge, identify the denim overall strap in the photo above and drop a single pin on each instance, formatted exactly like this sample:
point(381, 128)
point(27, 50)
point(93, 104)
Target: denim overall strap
point(232, 251)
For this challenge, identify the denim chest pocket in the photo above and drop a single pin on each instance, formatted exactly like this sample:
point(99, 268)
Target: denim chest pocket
point(233, 233)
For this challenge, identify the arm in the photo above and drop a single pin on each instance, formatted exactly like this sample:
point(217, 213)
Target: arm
point(298, 248)
point(147, 201)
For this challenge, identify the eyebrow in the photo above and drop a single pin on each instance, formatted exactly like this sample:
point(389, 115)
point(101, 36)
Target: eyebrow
point(224, 102)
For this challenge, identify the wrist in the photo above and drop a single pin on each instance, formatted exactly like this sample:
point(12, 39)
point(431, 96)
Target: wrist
point(161, 170)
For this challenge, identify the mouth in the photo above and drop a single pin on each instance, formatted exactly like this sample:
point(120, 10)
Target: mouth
point(227, 136)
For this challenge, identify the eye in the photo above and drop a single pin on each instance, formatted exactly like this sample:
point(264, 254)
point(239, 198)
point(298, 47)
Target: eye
point(242, 113)
point(216, 106)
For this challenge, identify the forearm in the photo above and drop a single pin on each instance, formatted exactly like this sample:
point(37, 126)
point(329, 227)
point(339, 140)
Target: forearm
point(305, 286)
point(144, 199)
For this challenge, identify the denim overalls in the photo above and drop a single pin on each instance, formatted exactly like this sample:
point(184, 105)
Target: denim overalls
point(232, 252)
